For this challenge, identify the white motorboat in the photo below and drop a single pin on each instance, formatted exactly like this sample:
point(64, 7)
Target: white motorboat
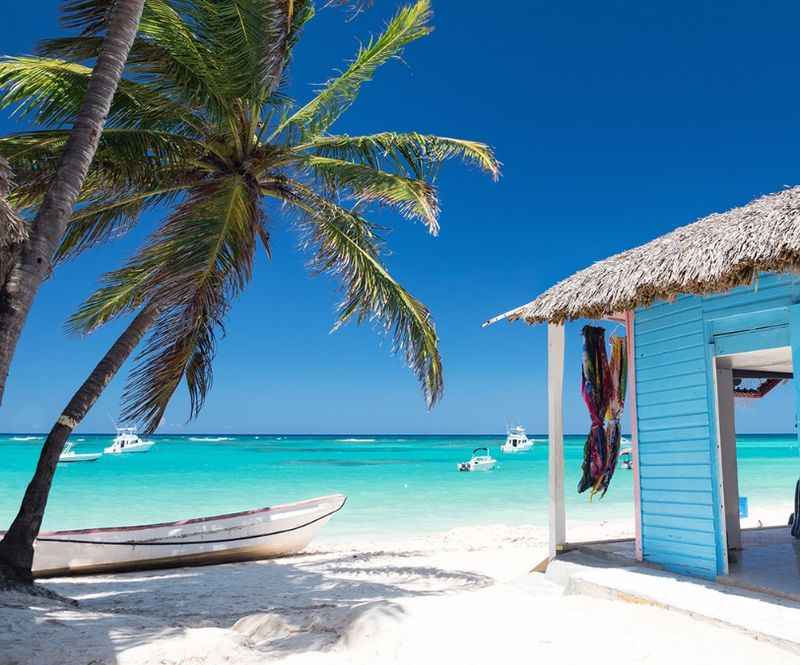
point(69, 455)
point(626, 455)
point(481, 461)
point(517, 441)
point(128, 441)
point(254, 534)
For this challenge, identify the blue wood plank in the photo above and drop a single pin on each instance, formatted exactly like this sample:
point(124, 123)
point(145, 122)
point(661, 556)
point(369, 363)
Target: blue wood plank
point(692, 510)
point(663, 309)
point(764, 318)
point(678, 548)
point(692, 332)
point(763, 338)
point(695, 367)
point(676, 496)
point(670, 456)
point(644, 326)
point(665, 354)
point(688, 484)
point(676, 446)
point(674, 435)
point(668, 397)
point(659, 384)
point(677, 522)
point(668, 423)
point(794, 327)
point(672, 560)
point(679, 407)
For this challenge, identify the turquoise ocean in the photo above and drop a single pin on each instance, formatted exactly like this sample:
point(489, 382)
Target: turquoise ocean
point(397, 485)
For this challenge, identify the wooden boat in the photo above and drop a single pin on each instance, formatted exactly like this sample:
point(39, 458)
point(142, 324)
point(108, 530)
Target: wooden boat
point(69, 455)
point(254, 534)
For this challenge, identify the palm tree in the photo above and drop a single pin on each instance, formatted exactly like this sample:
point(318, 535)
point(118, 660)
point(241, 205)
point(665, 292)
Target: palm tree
point(16, 548)
point(13, 232)
point(31, 261)
point(201, 125)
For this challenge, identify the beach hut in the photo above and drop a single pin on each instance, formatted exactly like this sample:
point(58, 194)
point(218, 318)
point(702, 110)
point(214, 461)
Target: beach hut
point(708, 307)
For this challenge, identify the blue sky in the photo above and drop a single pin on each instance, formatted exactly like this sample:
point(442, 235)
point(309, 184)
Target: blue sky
point(615, 122)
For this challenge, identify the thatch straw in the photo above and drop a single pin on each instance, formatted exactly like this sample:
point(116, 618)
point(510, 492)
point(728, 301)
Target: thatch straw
point(714, 254)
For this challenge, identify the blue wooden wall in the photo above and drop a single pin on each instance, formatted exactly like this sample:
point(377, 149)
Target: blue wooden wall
point(675, 346)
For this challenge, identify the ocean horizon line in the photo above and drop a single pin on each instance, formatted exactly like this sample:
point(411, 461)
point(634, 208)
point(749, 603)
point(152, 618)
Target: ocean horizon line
point(350, 434)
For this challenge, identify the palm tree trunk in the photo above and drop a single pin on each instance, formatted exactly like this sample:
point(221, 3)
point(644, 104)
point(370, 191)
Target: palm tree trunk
point(16, 548)
point(34, 263)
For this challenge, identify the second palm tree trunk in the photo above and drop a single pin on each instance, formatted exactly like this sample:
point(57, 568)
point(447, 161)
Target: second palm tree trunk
point(16, 548)
point(34, 263)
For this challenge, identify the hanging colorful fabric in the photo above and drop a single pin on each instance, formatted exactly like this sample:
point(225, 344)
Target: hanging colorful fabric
point(596, 391)
point(618, 372)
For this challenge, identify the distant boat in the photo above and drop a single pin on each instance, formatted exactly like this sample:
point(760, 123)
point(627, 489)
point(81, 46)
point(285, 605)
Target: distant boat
point(517, 441)
point(626, 455)
point(481, 461)
point(128, 441)
point(69, 455)
point(254, 534)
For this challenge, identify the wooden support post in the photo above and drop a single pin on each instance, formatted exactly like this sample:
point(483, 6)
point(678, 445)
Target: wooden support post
point(555, 447)
point(630, 400)
point(727, 440)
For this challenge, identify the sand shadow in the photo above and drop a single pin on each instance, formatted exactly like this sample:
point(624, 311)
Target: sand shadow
point(299, 603)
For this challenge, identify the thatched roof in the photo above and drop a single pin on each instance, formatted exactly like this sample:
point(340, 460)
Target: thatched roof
point(713, 254)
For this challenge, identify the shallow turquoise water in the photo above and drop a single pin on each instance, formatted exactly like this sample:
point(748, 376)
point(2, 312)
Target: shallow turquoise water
point(395, 484)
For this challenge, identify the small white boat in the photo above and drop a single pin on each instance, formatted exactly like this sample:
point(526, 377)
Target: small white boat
point(69, 455)
point(517, 441)
point(254, 534)
point(481, 461)
point(128, 441)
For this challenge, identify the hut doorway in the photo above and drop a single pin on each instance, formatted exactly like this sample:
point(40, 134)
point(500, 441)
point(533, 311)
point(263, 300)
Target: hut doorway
point(739, 376)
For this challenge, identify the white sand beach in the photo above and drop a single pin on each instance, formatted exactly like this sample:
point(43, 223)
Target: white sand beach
point(464, 596)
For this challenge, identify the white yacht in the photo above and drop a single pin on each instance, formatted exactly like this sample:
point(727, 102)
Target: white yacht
point(517, 441)
point(128, 441)
point(69, 455)
point(481, 461)
point(626, 455)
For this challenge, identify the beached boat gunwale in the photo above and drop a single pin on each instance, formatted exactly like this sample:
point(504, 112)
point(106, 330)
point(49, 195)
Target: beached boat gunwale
point(254, 534)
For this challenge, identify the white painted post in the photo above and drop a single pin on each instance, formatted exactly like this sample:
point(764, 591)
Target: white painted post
point(555, 447)
point(631, 405)
point(727, 442)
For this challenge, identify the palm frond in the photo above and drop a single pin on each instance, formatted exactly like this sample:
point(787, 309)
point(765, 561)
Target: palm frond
point(313, 119)
point(411, 197)
point(105, 218)
point(192, 267)
point(418, 155)
point(12, 229)
point(127, 162)
point(51, 91)
point(344, 245)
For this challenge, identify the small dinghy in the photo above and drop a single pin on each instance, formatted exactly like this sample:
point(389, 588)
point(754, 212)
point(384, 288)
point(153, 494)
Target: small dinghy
point(128, 441)
point(254, 534)
point(69, 455)
point(481, 461)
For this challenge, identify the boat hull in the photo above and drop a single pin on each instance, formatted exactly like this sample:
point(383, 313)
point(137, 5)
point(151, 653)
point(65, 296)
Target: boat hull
point(130, 448)
point(509, 449)
point(80, 457)
point(256, 534)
